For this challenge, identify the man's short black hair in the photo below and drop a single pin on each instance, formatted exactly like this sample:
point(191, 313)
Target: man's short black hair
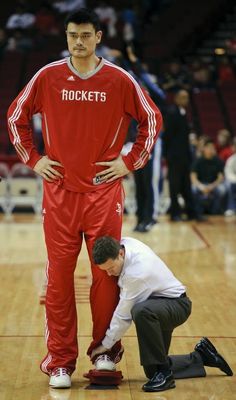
point(105, 247)
point(84, 16)
point(208, 141)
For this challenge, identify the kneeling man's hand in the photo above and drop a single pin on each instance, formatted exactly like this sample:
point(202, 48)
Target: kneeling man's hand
point(99, 350)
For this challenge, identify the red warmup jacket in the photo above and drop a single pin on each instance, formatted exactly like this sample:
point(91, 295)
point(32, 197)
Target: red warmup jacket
point(84, 120)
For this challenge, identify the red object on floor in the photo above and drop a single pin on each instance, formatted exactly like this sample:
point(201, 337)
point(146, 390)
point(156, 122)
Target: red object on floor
point(104, 377)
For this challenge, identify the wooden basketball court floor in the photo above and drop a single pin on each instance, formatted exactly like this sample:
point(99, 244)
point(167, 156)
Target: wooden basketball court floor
point(202, 255)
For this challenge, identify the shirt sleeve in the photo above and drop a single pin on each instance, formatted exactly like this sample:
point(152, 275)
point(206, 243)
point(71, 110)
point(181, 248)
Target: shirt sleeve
point(19, 117)
point(134, 291)
point(230, 169)
point(141, 107)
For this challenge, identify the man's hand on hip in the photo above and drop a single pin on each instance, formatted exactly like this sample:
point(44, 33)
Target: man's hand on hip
point(116, 169)
point(44, 167)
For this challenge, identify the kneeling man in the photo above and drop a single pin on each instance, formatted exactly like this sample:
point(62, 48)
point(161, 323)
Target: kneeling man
point(157, 302)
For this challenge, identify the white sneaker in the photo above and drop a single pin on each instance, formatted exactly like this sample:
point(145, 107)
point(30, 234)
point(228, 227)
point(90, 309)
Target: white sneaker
point(60, 378)
point(104, 363)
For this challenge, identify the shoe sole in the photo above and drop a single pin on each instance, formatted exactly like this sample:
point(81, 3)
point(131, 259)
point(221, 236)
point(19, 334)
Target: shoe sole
point(106, 369)
point(172, 386)
point(227, 370)
point(59, 387)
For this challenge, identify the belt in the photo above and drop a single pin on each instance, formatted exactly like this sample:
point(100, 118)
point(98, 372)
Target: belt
point(164, 297)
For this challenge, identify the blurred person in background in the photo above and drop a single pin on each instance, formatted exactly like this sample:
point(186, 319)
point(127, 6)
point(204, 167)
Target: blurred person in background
point(177, 152)
point(231, 44)
point(45, 22)
point(69, 6)
point(230, 177)
point(175, 78)
point(130, 22)
point(202, 76)
point(108, 18)
point(108, 53)
point(147, 180)
point(224, 144)
point(20, 41)
point(225, 70)
point(207, 176)
point(21, 19)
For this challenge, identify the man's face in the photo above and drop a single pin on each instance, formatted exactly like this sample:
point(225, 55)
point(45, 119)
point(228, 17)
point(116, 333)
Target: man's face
point(182, 98)
point(82, 39)
point(174, 68)
point(209, 151)
point(113, 267)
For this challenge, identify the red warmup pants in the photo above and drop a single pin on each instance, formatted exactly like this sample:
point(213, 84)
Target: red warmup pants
point(68, 217)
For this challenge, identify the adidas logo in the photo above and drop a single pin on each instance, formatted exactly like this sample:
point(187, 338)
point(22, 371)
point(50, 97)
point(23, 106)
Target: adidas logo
point(71, 78)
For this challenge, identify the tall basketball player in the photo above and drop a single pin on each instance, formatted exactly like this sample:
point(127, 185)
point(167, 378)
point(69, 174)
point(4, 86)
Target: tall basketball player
point(86, 105)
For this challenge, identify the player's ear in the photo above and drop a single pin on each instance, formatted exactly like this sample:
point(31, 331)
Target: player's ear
point(121, 252)
point(98, 36)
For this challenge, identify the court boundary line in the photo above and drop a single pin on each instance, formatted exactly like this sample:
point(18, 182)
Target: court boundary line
point(201, 236)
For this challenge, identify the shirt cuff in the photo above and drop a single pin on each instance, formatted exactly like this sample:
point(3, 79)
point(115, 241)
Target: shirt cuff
point(108, 342)
point(128, 162)
point(34, 158)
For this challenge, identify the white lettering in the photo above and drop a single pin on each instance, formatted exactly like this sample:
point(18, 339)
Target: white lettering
point(83, 95)
point(71, 94)
point(77, 95)
point(96, 95)
point(103, 96)
point(90, 96)
point(64, 94)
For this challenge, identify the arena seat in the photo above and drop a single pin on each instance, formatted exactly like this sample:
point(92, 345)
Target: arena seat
point(25, 188)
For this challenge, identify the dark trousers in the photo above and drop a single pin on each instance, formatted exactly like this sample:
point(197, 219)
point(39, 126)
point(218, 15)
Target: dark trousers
point(183, 366)
point(231, 196)
point(212, 203)
point(179, 184)
point(155, 320)
point(144, 192)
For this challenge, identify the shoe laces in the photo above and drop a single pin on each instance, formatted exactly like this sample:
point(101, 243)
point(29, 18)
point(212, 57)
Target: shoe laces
point(157, 377)
point(60, 371)
point(103, 357)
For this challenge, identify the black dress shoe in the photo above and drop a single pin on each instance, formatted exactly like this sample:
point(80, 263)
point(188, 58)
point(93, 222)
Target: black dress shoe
point(211, 357)
point(140, 227)
point(143, 227)
point(159, 382)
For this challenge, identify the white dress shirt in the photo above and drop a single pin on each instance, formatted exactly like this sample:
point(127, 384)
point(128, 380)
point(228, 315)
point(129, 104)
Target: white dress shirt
point(143, 274)
point(230, 169)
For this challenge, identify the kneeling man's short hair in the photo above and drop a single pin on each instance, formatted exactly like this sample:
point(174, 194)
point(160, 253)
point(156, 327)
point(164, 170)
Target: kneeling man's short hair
point(105, 247)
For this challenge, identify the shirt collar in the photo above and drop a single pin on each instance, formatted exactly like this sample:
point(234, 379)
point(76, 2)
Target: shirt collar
point(85, 76)
point(126, 261)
